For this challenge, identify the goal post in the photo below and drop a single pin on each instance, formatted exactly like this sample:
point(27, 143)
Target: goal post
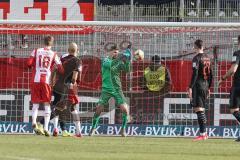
point(161, 113)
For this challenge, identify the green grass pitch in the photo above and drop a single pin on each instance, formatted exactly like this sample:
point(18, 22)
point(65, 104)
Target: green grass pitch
point(29, 147)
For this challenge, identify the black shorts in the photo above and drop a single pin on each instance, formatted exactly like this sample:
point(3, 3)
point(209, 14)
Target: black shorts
point(57, 97)
point(235, 97)
point(60, 88)
point(199, 95)
point(59, 92)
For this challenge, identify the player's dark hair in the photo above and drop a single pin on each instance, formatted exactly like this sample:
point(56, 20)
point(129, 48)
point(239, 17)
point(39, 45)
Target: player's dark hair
point(239, 39)
point(47, 40)
point(113, 47)
point(198, 43)
point(156, 59)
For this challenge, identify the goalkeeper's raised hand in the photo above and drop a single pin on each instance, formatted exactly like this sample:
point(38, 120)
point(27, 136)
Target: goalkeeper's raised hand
point(126, 55)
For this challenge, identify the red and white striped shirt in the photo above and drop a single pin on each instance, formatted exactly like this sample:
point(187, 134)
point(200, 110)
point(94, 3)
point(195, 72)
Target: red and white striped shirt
point(42, 59)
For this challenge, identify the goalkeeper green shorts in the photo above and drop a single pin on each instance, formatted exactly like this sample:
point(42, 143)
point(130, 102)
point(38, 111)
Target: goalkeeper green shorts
point(118, 96)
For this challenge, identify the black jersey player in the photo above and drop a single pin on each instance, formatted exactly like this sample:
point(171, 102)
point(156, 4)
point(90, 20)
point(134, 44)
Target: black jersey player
point(65, 91)
point(199, 88)
point(235, 90)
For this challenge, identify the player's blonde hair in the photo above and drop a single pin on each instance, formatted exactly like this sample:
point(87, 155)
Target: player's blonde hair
point(72, 48)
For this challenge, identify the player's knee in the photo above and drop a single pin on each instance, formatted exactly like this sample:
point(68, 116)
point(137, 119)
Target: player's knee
point(46, 104)
point(47, 110)
point(35, 107)
point(199, 109)
point(234, 110)
point(124, 108)
point(53, 115)
point(75, 115)
point(73, 108)
point(57, 112)
point(99, 109)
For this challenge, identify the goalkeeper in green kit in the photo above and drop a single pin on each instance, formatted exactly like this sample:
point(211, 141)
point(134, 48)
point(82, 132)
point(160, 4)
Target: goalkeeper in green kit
point(111, 67)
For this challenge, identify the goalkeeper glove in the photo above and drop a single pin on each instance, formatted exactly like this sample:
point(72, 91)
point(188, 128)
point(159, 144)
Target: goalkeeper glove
point(127, 54)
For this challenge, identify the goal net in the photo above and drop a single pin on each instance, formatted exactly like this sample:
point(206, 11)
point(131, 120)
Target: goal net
point(165, 112)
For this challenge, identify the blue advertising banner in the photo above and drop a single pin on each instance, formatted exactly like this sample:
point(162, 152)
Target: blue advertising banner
point(132, 130)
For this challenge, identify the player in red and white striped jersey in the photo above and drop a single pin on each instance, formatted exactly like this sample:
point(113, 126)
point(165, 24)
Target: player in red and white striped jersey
point(42, 60)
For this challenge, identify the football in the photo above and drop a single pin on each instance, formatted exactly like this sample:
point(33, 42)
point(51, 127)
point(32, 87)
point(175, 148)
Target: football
point(138, 55)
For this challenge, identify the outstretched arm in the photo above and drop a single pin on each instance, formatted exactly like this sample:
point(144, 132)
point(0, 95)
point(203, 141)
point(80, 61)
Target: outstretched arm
point(53, 77)
point(126, 59)
point(233, 69)
point(58, 63)
point(32, 58)
point(229, 73)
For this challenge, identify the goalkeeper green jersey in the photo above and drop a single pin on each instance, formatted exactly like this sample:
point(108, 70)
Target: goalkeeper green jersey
point(111, 69)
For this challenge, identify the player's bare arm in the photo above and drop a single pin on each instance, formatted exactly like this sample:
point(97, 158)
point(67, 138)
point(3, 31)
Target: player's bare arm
point(74, 77)
point(53, 77)
point(229, 73)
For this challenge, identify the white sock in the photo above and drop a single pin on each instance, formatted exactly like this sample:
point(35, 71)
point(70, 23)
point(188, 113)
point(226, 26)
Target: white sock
point(78, 127)
point(203, 134)
point(47, 116)
point(34, 113)
point(76, 121)
point(55, 122)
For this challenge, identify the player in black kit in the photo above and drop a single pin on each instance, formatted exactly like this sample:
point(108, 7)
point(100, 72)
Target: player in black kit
point(235, 90)
point(65, 92)
point(199, 88)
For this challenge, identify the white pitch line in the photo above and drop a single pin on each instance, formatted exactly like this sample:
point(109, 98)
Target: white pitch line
point(18, 158)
